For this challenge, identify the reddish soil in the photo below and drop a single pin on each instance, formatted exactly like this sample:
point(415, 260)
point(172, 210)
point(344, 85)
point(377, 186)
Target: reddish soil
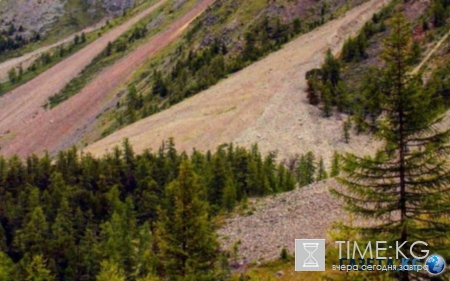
point(62, 126)
point(23, 105)
point(27, 59)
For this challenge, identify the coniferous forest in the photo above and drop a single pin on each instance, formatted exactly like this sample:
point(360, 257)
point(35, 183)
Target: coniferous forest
point(126, 216)
point(154, 216)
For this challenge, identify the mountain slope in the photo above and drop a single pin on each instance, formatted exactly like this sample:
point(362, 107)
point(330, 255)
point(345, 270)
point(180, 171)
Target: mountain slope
point(28, 58)
point(263, 103)
point(223, 40)
point(57, 16)
point(21, 105)
point(60, 127)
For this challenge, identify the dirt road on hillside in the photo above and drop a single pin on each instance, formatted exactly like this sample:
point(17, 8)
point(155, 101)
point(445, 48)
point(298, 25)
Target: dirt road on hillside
point(27, 59)
point(22, 105)
point(64, 125)
point(264, 103)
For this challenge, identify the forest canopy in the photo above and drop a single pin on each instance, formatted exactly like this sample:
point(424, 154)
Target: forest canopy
point(77, 217)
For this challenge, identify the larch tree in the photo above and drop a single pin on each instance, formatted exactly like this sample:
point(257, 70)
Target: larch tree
point(185, 238)
point(37, 270)
point(335, 168)
point(321, 172)
point(404, 189)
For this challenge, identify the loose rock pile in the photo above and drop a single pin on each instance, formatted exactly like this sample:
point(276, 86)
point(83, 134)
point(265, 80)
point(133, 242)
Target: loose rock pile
point(272, 223)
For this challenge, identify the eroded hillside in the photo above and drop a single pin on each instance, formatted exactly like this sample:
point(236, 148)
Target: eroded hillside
point(264, 103)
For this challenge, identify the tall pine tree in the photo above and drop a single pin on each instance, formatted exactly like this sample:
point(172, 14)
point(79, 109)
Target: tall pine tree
point(404, 188)
point(185, 237)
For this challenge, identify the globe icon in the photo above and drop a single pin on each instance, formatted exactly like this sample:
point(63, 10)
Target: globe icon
point(435, 264)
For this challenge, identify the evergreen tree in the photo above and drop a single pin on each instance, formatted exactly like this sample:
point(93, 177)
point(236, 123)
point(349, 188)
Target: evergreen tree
point(310, 167)
point(159, 86)
point(90, 253)
point(335, 167)
point(371, 96)
point(32, 238)
point(347, 127)
point(229, 195)
point(63, 244)
point(12, 75)
point(404, 188)
point(185, 237)
point(313, 90)
point(219, 179)
point(110, 271)
point(297, 25)
point(3, 244)
point(306, 169)
point(7, 268)
point(109, 49)
point(331, 69)
point(342, 98)
point(20, 74)
point(327, 100)
point(37, 270)
point(439, 13)
point(321, 172)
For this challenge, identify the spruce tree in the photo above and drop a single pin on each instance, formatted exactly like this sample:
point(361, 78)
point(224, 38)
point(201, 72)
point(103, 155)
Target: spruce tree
point(37, 270)
point(321, 172)
point(346, 127)
point(306, 169)
point(63, 243)
point(7, 268)
point(335, 168)
point(404, 188)
point(327, 99)
point(313, 90)
point(185, 237)
point(32, 238)
point(110, 271)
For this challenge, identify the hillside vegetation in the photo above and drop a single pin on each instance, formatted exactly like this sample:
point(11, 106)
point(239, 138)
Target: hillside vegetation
point(28, 25)
point(226, 38)
point(124, 45)
point(348, 83)
point(265, 102)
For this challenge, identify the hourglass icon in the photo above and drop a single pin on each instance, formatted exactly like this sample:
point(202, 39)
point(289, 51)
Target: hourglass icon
point(310, 260)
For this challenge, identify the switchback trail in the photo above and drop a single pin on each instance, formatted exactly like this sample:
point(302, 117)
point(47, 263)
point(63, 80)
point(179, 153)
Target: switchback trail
point(65, 125)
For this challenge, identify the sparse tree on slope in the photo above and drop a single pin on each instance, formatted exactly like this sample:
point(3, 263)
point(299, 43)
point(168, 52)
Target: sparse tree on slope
point(335, 169)
point(404, 189)
point(321, 172)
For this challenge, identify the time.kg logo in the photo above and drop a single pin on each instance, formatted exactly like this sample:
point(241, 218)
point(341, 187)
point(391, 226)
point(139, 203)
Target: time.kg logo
point(309, 254)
